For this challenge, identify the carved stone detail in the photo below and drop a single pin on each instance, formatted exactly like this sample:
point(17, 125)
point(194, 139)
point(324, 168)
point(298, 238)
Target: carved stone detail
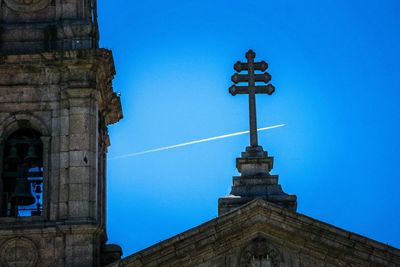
point(27, 5)
point(18, 252)
point(261, 254)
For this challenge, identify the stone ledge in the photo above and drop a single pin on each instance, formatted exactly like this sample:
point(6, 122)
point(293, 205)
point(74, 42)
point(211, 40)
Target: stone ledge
point(255, 180)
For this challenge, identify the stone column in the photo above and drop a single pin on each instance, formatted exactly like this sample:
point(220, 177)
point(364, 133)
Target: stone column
point(1, 169)
point(82, 154)
point(46, 180)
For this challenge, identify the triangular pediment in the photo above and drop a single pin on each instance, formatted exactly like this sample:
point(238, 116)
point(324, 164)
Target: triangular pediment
point(263, 234)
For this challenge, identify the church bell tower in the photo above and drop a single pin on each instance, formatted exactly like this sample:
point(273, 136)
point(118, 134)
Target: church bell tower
point(56, 102)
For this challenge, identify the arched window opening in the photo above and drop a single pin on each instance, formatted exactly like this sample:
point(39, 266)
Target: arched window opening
point(22, 179)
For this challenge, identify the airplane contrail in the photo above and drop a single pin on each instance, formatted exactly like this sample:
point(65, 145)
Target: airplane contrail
point(193, 142)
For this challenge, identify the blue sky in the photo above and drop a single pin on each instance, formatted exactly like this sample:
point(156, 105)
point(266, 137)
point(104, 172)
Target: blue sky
point(335, 66)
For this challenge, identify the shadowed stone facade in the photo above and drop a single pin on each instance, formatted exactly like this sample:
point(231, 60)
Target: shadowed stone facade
point(47, 25)
point(67, 97)
point(56, 101)
point(56, 82)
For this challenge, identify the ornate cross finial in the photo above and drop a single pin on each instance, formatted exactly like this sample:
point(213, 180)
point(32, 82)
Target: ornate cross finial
point(254, 165)
point(252, 88)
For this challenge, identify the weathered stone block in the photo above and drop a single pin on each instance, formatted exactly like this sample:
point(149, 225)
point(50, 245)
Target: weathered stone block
point(79, 192)
point(80, 141)
point(78, 209)
point(78, 174)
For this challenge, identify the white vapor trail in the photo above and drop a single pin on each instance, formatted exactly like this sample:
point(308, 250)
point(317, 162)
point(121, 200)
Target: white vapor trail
point(193, 142)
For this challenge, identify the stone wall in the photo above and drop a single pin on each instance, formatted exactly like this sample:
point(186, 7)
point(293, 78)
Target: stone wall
point(46, 25)
point(68, 98)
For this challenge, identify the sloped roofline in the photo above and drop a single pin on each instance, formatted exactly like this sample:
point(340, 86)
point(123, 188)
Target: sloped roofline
point(260, 211)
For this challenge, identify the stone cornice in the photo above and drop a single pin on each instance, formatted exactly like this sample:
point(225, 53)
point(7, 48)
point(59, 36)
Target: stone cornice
point(79, 69)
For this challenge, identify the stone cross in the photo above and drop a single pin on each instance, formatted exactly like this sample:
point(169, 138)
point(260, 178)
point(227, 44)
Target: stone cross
point(252, 88)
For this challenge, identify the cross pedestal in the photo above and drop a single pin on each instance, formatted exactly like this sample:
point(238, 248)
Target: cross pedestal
point(255, 181)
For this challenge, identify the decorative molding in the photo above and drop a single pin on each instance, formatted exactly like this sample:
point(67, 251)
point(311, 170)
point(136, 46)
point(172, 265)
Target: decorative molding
point(259, 252)
point(19, 120)
point(18, 251)
point(27, 5)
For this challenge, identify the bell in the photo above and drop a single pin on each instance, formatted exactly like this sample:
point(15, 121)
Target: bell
point(22, 195)
point(13, 155)
point(31, 156)
point(38, 189)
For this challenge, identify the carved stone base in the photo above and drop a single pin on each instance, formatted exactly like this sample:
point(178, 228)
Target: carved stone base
point(254, 182)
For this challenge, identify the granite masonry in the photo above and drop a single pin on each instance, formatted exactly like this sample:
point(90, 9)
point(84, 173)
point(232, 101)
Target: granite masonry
point(56, 102)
